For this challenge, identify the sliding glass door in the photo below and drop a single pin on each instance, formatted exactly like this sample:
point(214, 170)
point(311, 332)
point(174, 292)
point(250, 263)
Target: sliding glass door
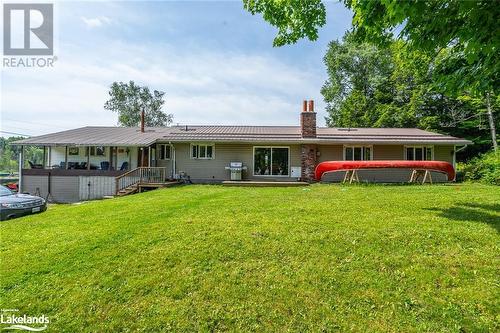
point(271, 161)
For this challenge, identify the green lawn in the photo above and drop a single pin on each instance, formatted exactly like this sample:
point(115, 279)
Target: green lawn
point(210, 258)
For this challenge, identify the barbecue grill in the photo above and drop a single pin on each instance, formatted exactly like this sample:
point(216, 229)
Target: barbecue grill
point(236, 168)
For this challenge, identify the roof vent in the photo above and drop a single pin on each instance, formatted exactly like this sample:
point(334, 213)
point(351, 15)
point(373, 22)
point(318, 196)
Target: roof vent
point(186, 128)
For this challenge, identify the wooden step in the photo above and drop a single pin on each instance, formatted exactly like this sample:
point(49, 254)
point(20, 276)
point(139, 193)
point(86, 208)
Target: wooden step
point(127, 190)
point(139, 186)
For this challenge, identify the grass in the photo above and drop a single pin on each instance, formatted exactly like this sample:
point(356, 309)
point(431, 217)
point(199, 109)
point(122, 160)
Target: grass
point(210, 258)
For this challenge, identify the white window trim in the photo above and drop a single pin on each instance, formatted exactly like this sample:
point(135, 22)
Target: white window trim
point(418, 146)
point(362, 150)
point(198, 151)
point(253, 161)
point(164, 146)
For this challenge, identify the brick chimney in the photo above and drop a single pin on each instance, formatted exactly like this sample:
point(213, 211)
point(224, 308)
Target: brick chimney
point(308, 152)
point(142, 121)
point(308, 120)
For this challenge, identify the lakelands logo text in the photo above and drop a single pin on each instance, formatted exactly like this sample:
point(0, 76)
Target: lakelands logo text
point(28, 35)
point(22, 322)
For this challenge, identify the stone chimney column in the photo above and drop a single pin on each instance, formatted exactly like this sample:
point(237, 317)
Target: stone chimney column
point(308, 152)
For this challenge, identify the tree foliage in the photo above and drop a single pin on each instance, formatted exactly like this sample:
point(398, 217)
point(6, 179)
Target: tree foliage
point(393, 86)
point(484, 168)
point(129, 100)
point(9, 154)
point(460, 38)
point(295, 19)
point(468, 30)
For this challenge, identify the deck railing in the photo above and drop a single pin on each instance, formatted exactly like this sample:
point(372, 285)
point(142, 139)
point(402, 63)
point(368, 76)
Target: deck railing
point(141, 175)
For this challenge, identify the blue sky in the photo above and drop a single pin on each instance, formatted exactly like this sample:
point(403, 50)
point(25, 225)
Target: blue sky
point(214, 60)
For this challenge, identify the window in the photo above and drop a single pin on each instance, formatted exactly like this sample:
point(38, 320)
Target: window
point(358, 153)
point(165, 152)
point(419, 153)
point(73, 151)
point(204, 152)
point(271, 161)
point(96, 151)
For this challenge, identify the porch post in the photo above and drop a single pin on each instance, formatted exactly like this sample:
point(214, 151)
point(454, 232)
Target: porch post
point(21, 163)
point(88, 157)
point(44, 164)
point(129, 154)
point(149, 156)
point(116, 158)
point(50, 157)
point(66, 158)
point(142, 156)
point(110, 159)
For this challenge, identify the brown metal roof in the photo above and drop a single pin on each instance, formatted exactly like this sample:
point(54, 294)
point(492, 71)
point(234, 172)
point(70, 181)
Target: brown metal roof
point(130, 136)
point(98, 136)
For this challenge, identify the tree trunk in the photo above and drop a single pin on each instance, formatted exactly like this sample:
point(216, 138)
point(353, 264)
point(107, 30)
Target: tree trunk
point(492, 122)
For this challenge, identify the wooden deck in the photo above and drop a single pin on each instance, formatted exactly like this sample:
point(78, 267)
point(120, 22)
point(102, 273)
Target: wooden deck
point(158, 185)
point(251, 183)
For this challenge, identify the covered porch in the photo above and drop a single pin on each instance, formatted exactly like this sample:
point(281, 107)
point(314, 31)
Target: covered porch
point(72, 173)
point(101, 158)
point(76, 157)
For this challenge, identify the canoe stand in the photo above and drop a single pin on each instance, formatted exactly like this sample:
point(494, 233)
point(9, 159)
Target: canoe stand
point(419, 173)
point(351, 176)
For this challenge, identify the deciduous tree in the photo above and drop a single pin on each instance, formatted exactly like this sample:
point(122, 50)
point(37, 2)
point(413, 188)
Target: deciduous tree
point(393, 86)
point(461, 37)
point(130, 99)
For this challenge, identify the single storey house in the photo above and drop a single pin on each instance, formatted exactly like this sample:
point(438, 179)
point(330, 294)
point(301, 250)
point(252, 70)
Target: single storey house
point(92, 162)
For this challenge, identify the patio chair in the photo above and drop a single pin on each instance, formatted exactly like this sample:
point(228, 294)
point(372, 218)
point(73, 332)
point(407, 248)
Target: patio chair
point(62, 165)
point(35, 166)
point(124, 166)
point(105, 165)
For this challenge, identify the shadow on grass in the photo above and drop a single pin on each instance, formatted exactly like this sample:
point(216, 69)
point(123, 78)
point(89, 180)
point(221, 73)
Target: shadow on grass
point(474, 212)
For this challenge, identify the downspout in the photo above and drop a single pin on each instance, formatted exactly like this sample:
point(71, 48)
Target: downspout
point(173, 159)
point(461, 148)
point(455, 157)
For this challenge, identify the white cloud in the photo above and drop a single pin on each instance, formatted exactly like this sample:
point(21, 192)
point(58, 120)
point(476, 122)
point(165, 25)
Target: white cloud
point(96, 21)
point(202, 87)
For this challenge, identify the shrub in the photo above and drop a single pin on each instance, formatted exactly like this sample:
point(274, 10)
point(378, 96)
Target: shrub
point(484, 168)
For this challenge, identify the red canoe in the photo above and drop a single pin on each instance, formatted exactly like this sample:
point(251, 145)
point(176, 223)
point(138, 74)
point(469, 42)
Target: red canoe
point(330, 166)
